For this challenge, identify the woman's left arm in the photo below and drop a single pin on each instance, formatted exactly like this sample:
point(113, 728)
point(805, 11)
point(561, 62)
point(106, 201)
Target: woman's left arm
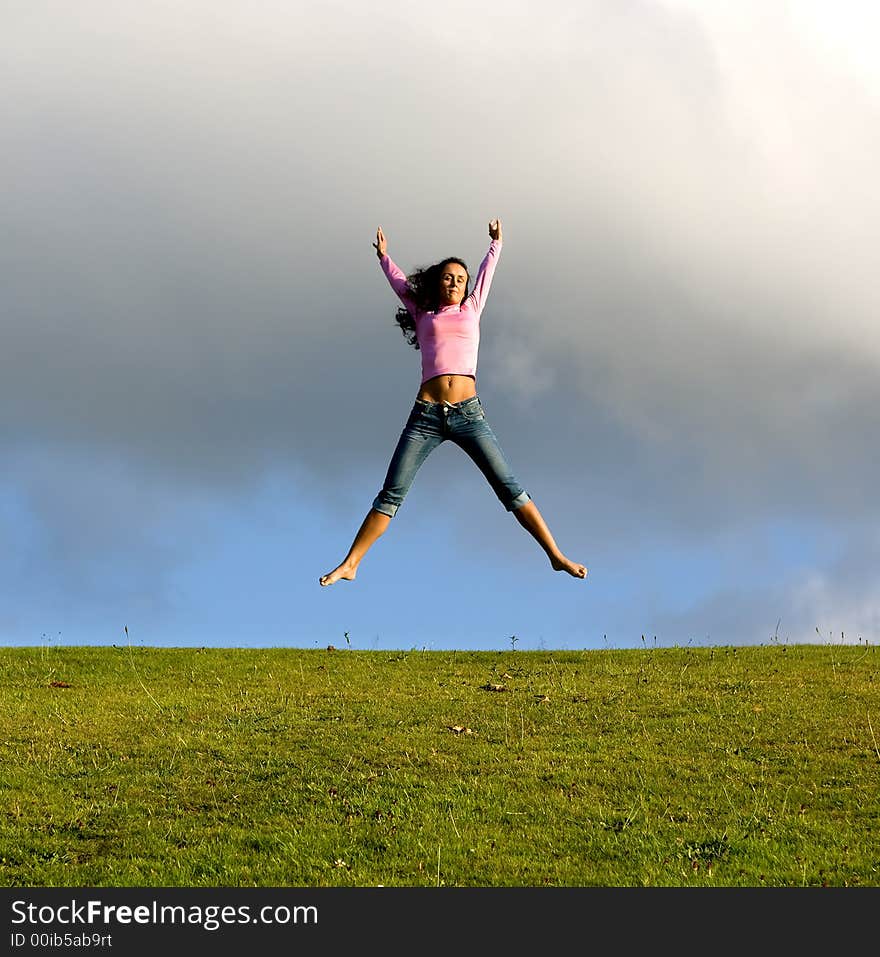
point(487, 266)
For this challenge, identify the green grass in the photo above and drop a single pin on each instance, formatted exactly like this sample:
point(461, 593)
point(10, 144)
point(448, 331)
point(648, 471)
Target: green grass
point(644, 767)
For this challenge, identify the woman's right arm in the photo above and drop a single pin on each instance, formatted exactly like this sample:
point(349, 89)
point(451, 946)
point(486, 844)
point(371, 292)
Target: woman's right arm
point(392, 272)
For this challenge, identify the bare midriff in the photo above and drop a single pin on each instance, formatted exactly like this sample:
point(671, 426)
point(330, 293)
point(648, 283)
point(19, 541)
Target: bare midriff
point(448, 388)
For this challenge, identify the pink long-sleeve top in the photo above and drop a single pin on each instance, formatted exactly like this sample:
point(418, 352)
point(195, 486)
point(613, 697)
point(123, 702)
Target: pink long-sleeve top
point(449, 338)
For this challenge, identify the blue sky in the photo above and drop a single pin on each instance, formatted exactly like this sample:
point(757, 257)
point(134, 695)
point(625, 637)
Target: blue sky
point(202, 382)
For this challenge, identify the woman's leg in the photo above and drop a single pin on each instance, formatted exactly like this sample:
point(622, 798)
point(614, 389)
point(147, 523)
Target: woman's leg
point(419, 438)
point(533, 522)
point(371, 528)
point(473, 434)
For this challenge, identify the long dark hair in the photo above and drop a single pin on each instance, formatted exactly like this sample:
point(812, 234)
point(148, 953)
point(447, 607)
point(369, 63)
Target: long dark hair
point(425, 287)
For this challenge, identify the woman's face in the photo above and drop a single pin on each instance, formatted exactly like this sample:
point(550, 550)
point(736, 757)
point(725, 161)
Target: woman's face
point(453, 283)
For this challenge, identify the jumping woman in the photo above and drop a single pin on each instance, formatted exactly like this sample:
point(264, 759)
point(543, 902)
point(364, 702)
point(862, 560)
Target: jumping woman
point(441, 318)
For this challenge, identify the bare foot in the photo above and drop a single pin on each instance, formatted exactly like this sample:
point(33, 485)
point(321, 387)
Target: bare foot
point(562, 564)
point(343, 571)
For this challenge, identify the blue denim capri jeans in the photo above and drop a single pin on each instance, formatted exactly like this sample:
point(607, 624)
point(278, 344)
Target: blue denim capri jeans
point(463, 423)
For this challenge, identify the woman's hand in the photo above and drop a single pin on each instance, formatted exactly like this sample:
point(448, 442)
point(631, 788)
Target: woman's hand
point(495, 229)
point(381, 245)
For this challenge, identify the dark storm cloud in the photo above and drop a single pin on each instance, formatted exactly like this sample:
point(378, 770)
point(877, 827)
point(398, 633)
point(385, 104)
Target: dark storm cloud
point(190, 290)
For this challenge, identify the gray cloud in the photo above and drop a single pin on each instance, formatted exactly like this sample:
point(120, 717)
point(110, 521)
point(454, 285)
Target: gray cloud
point(686, 287)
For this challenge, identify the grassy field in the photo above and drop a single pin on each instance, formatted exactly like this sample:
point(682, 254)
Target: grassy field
point(755, 766)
